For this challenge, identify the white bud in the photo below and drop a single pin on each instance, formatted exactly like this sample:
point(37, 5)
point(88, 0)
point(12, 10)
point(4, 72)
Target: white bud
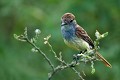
point(45, 42)
point(37, 31)
point(34, 50)
point(97, 34)
point(102, 36)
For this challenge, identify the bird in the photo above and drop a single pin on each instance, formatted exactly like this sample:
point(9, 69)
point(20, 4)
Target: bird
point(76, 37)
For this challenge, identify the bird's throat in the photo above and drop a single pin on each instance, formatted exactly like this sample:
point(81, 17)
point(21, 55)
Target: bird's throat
point(68, 32)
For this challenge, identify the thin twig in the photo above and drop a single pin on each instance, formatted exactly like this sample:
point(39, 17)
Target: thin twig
point(42, 53)
point(78, 73)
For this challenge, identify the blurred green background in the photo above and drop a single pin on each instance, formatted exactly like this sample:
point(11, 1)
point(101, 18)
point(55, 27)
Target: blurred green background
point(17, 62)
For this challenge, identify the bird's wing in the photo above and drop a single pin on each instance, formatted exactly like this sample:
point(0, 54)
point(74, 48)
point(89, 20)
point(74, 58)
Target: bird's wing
point(81, 33)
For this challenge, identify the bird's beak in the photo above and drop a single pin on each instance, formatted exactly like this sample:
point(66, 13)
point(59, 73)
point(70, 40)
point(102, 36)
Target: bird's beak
point(62, 24)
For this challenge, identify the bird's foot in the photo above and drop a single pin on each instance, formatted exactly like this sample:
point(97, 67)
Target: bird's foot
point(76, 58)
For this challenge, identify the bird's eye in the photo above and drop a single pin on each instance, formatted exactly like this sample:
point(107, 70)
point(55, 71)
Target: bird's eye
point(71, 20)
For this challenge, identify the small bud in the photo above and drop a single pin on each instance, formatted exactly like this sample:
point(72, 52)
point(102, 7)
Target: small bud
point(102, 36)
point(20, 37)
point(93, 70)
point(37, 31)
point(33, 40)
point(34, 50)
point(45, 42)
point(105, 34)
point(97, 34)
point(45, 38)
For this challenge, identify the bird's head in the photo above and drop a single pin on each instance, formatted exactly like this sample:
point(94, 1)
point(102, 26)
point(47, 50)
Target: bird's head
point(67, 18)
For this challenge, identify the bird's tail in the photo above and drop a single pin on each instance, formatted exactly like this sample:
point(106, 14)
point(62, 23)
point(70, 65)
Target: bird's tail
point(103, 60)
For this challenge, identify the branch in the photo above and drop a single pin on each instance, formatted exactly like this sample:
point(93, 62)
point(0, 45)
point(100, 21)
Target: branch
point(37, 49)
point(85, 57)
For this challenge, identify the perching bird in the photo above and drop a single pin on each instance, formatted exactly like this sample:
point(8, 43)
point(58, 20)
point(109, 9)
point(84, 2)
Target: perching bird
point(76, 37)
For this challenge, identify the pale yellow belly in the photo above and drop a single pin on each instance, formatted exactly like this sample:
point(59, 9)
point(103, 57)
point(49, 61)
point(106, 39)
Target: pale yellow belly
point(77, 44)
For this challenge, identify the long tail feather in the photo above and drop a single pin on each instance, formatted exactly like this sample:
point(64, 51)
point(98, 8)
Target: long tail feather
point(103, 60)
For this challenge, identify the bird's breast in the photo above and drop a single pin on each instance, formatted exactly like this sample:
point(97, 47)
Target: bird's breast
point(77, 43)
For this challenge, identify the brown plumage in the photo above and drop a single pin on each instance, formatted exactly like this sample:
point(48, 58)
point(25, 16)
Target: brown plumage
point(81, 33)
point(67, 18)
